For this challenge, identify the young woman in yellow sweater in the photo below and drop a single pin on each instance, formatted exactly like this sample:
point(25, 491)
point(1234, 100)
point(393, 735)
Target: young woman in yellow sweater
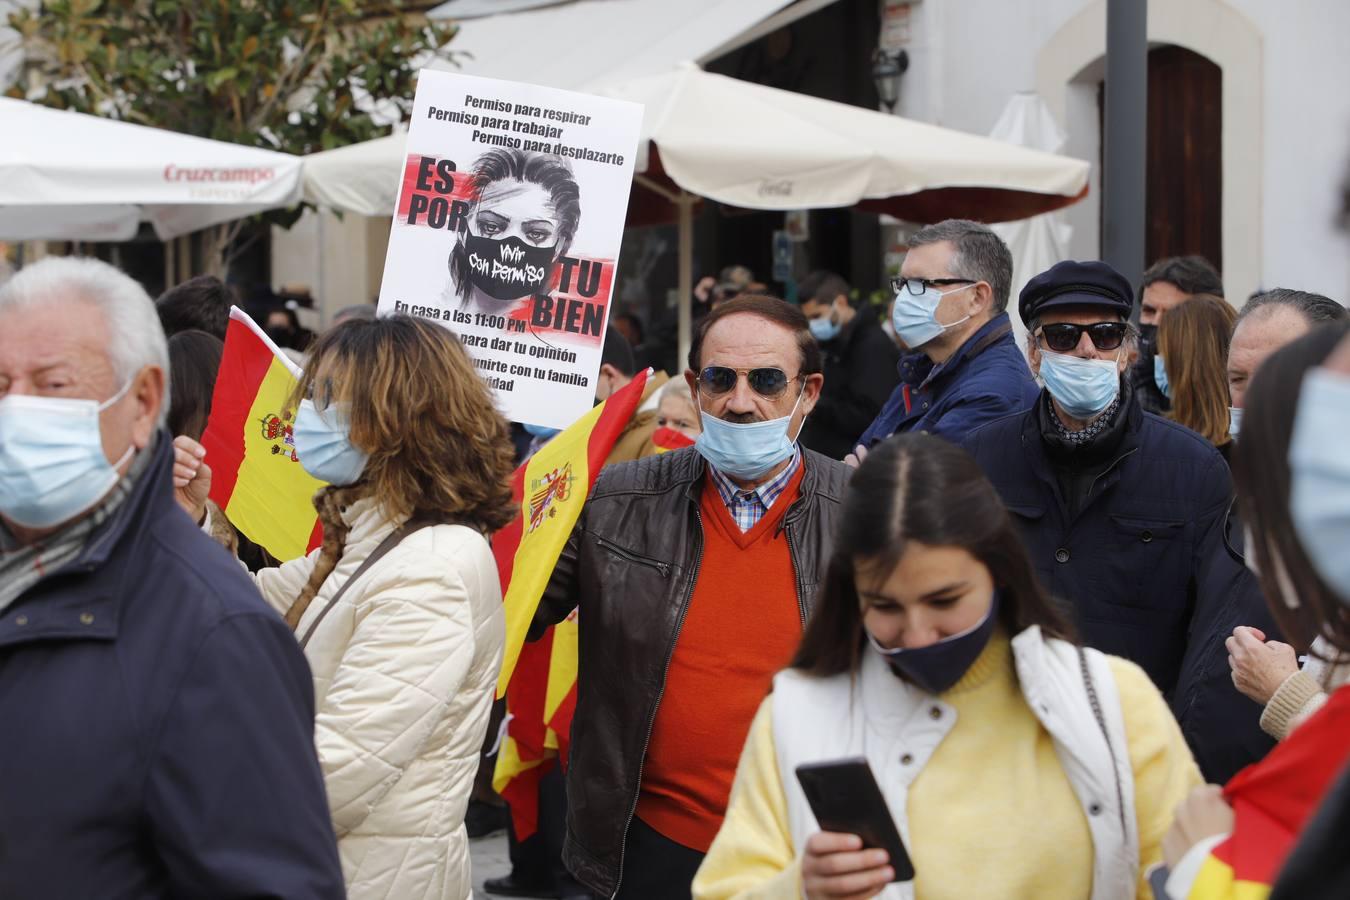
point(1015, 763)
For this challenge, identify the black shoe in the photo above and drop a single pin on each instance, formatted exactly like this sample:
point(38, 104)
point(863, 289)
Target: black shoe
point(507, 886)
point(483, 819)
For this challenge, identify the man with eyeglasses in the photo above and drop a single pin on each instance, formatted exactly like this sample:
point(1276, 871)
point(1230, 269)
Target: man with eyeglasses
point(962, 367)
point(1123, 511)
point(692, 572)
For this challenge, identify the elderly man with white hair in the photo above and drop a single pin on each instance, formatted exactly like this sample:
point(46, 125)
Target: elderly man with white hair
point(158, 717)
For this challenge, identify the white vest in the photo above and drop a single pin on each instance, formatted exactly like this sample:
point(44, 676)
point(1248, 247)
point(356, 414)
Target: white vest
point(898, 727)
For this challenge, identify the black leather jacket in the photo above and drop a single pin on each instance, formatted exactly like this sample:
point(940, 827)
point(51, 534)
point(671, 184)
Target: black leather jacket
point(630, 565)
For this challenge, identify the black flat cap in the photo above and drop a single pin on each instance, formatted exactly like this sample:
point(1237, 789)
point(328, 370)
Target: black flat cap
point(1071, 283)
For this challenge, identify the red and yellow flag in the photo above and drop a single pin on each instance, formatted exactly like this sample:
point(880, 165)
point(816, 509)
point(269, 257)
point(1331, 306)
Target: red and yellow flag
point(665, 439)
point(1272, 801)
point(539, 680)
point(255, 475)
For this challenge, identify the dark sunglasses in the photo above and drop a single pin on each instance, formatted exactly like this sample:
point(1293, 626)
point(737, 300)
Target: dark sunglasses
point(769, 383)
point(1063, 336)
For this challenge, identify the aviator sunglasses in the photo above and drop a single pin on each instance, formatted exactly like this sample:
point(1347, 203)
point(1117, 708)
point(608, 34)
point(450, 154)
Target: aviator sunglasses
point(1062, 337)
point(768, 382)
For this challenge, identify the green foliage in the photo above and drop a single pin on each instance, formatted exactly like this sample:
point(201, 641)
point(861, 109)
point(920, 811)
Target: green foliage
point(288, 75)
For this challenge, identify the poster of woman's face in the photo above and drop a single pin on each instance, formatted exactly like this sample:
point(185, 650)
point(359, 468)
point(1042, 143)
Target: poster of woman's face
point(525, 213)
point(489, 240)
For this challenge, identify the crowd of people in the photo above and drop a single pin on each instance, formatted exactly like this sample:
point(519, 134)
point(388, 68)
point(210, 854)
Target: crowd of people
point(1082, 606)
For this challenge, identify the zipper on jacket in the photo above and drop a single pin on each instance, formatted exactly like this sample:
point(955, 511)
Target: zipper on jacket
point(797, 576)
point(632, 557)
point(1111, 468)
point(651, 722)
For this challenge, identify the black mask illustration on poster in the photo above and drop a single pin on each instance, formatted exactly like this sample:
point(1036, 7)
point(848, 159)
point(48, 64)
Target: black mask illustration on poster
point(526, 213)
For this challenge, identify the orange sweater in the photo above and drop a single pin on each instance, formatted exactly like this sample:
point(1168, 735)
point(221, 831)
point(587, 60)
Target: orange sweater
point(742, 626)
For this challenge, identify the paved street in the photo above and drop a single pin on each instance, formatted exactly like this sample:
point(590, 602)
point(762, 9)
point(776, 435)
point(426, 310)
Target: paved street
point(489, 859)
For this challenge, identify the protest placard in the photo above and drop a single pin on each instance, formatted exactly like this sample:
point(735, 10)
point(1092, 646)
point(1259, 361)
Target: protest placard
point(507, 232)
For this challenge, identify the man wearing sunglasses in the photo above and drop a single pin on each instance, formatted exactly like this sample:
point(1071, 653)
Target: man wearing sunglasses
point(1123, 511)
point(962, 367)
point(692, 572)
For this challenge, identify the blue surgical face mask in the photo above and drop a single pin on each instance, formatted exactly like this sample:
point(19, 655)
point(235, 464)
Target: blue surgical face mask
point(746, 451)
point(1234, 421)
point(939, 666)
point(52, 465)
point(1319, 488)
point(323, 444)
point(1160, 377)
point(824, 328)
point(1082, 387)
point(915, 318)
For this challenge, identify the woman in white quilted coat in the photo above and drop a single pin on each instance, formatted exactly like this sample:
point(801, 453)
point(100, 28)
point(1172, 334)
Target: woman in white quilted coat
point(405, 649)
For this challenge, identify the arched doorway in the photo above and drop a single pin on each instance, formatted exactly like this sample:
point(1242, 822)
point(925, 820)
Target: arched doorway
point(1184, 211)
point(1071, 64)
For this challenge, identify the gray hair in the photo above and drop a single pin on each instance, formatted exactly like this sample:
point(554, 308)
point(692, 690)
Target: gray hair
point(676, 388)
point(135, 337)
point(1314, 308)
point(980, 254)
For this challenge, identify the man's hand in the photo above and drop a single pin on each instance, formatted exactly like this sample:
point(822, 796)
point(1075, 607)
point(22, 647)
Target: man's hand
point(836, 867)
point(1204, 813)
point(1259, 666)
point(854, 459)
point(191, 477)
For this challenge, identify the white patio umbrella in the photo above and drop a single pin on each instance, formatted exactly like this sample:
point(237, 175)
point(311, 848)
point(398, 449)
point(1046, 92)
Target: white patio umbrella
point(70, 176)
point(758, 147)
point(1041, 241)
point(746, 145)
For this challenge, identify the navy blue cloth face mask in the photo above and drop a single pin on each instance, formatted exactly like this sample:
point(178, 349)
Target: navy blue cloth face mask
point(939, 666)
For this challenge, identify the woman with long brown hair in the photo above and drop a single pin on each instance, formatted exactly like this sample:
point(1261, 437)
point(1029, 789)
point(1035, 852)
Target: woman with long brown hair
point(1191, 365)
point(400, 610)
point(1014, 762)
point(1276, 796)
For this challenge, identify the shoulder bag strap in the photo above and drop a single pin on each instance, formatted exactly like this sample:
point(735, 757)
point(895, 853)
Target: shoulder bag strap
point(391, 541)
point(1106, 735)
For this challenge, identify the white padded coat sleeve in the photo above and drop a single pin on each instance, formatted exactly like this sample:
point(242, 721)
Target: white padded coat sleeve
point(409, 654)
point(282, 584)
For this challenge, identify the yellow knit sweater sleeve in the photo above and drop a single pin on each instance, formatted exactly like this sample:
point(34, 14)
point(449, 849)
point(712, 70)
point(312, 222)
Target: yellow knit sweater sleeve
point(1164, 770)
point(752, 857)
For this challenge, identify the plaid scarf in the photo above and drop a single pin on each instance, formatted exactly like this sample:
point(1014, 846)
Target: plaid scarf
point(22, 566)
point(1095, 427)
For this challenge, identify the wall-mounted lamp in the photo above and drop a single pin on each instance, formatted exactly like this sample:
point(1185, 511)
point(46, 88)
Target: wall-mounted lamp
point(886, 72)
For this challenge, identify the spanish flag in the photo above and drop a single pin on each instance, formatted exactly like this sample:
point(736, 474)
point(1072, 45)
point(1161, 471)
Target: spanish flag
point(1272, 801)
point(549, 491)
point(539, 680)
point(256, 477)
point(666, 439)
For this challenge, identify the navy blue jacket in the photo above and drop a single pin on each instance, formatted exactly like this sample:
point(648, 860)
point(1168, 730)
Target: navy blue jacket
point(860, 374)
point(985, 379)
point(1144, 566)
point(158, 724)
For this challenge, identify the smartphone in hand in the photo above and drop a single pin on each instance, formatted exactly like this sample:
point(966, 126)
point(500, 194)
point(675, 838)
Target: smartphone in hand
point(846, 799)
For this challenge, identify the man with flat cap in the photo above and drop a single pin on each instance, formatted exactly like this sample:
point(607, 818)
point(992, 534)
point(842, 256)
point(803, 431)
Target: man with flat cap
point(1123, 512)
